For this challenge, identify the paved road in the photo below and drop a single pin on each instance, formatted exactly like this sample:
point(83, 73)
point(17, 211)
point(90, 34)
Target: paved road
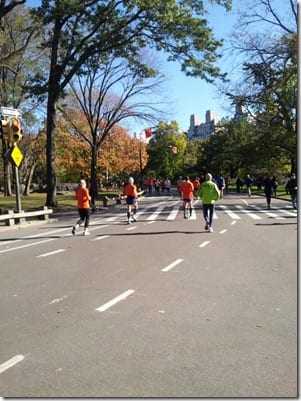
point(158, 308)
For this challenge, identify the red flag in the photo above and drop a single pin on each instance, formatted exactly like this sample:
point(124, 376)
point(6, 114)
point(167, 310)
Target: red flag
point(174, 149)
point(148, 132)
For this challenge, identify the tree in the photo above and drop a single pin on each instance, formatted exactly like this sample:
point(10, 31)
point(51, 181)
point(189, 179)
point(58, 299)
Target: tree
point(231, 149)
point(80, 29)
point(119, 156)
point(162, 160)
point(269, 87)
point(16, 35)
point(7, 8)
point(33, 147)
point(109, 92)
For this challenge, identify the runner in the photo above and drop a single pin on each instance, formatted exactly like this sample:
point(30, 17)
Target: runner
point(83, 205)
point(209, 193)
point(130, 191)
point(186, 189)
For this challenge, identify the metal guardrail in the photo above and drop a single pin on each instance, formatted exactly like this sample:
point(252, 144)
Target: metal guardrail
point(11, 216)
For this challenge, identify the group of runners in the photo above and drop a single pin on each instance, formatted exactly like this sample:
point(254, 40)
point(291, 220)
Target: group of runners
point(207, 191)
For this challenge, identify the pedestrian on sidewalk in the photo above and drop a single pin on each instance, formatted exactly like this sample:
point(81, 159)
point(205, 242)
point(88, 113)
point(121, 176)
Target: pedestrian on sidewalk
point(130, 191)
point(209, 193)
point(83, 206)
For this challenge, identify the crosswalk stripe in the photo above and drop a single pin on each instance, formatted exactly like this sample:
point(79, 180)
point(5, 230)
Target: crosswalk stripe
point(229, 212)
point(260, 210)
point(252, 215)
point(173, 209)
point(193, 214)
point(287, 212)
point(156, 213)
point(173, 214)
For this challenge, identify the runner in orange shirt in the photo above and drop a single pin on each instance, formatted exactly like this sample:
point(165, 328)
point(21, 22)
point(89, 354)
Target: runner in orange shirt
point(186, 189)
point(130, 191)
point(83, 206)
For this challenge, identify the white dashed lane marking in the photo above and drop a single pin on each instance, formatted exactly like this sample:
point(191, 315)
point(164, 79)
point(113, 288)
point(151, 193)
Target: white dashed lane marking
point(204, 244)
point(101, 237)
point(114, 301)
point(11, 362)
point(172, 265)
point(44, 255)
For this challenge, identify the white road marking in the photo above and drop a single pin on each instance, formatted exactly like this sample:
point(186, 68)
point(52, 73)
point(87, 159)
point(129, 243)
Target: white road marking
point(27, 245)
point(44, 234)
point(11, 362)
point(229, 212)
point(51, 253)
point(204, 244)
point(156, 213)
point(103, 226)
point(250, 214)
point(275, 216)
point(233, 222)
point(115, 301)
point(55, 301)
point(38, 236)
point(111, 218)
point(172, 265)
point(173, 214)
point(99, 238)
point(287, 212)
point(223, 231)
point(131, 228)
point(193, 214)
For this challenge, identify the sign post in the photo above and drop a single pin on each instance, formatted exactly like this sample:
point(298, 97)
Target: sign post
point(11, 132)
point(15, 156)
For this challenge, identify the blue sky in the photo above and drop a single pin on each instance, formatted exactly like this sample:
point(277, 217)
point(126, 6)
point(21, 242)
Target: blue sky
point(193, 95)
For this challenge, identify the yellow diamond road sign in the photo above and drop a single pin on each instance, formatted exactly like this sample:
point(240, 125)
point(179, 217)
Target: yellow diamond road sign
point(16, 155)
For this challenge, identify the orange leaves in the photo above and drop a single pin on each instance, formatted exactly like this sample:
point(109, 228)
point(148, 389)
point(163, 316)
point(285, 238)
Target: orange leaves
point(120, 153)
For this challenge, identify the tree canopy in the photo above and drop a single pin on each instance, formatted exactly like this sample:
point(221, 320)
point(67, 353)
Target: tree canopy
point(76, 31)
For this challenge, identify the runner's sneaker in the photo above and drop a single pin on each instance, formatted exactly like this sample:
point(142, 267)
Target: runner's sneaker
point(73, 230)
point(206, 226)
point(210, 229)
point(87, 233)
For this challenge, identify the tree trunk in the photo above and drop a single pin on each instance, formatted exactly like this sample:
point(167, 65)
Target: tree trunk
point(293, 166)
point(6, 173)
point(50, 151)
point(29, 179)
point(93, 172)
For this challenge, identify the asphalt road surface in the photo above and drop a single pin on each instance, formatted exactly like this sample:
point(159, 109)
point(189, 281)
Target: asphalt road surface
point(157, 308)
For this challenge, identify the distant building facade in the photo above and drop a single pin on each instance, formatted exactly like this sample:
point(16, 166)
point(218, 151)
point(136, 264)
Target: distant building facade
point(199, 129)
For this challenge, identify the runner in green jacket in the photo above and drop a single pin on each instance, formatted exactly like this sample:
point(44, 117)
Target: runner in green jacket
point(209, 193)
